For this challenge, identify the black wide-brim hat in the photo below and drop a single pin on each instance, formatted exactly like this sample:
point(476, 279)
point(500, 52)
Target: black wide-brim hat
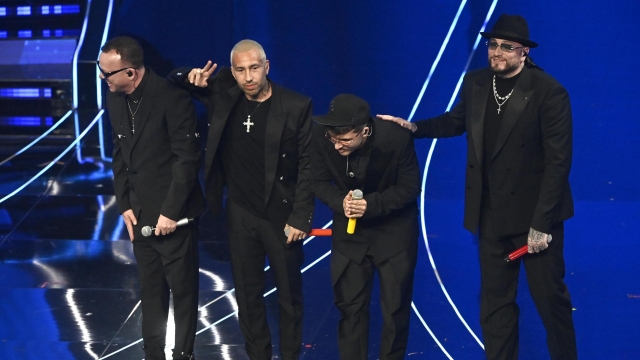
point(512, 28)
point(345, 110)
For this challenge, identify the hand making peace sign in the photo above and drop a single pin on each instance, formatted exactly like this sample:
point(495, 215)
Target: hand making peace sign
point(199, 77)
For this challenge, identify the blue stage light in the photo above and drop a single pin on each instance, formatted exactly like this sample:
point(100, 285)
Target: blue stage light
point(24, 10)
point(76, 141)
point(59, 9)
point(25, 121)
point(24, 33)
point(3, 11)
point(20, 93)
point(46, 33)
point(68, 9)
point(3, 34)
point(25, 93)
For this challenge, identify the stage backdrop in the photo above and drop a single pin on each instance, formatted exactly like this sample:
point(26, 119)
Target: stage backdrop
point(384, 52)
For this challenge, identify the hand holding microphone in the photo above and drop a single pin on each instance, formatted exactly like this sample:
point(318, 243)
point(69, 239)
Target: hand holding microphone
point(313, 232)
point(293, 234)
point(536, 242)
point(354, 207)
point(148, 230)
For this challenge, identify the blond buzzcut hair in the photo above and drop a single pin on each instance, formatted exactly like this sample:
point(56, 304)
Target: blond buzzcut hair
point(248, 45)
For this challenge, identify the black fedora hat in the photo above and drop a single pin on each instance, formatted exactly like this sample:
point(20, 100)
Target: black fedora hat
point(344, 110)
point(511, 27)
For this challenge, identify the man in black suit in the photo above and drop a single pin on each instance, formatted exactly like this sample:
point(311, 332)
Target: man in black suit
point(155, 174)
point(258, 147)
point(353, 151)
point(518, 124)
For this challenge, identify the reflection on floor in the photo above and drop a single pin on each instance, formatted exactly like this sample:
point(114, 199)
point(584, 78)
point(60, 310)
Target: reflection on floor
point(68, 286)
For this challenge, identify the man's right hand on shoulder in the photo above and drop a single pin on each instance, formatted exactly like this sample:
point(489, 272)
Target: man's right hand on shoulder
point(200, 76)
point(129, 220)
point(400, 121)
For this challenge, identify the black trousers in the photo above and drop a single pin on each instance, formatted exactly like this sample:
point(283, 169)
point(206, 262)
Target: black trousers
point(499, 282)
point(352, 283)
point(251, 239)
point(166, 263)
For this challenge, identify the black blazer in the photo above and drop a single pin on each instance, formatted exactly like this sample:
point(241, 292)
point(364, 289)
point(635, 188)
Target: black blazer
point(530, 164)
point(391, 186)
point(155, 170)
point(288, 195)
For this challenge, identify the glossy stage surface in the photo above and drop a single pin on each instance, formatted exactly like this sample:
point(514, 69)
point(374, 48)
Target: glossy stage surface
point(68, 285)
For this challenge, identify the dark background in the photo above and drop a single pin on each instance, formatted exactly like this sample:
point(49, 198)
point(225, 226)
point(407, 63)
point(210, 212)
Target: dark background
point(383, 51)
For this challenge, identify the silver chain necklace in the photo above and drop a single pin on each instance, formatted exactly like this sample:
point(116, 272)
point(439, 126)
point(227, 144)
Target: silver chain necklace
point(133, 114)
point(248, 123)
point(498, 97)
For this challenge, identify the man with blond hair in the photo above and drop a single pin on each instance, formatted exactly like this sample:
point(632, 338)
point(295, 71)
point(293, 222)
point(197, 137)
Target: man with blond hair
point(258, 147)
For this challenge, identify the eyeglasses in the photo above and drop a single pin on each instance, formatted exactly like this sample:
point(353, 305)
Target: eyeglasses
point(340, 141)
point(504, 46)
point(108, 74)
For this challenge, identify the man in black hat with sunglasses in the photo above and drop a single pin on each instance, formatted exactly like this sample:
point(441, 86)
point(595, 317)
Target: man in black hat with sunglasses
point(518, 124)
point(353, 151)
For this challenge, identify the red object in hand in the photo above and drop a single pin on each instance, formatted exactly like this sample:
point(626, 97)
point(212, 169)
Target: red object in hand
point(320, 232)
point(517, 254)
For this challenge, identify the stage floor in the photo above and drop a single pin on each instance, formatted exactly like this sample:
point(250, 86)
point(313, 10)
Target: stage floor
point(68, 285)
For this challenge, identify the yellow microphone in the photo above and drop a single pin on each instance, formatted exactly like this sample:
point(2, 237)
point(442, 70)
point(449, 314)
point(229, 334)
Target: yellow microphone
point(351, 227)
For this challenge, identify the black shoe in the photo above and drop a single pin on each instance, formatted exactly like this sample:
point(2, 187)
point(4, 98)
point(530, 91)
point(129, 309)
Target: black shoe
point(153, 352)
point(180, 355)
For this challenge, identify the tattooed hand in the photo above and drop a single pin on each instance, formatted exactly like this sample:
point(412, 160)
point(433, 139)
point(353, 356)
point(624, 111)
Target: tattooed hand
point(537, 241)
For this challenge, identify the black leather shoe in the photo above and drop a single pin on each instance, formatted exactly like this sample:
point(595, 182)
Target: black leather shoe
point(180, 355)
point(153, 353)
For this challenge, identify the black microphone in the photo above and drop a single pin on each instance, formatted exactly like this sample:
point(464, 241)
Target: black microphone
point(148, 230)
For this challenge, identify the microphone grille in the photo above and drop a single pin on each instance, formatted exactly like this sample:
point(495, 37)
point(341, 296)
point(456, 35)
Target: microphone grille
point(357, 194)
point(146, 231)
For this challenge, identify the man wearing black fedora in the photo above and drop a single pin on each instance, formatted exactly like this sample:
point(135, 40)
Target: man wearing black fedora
point(351, 150)
point(519, 147)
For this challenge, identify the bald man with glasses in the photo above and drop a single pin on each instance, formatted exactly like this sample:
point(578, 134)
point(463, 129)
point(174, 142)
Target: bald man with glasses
point(155, 178)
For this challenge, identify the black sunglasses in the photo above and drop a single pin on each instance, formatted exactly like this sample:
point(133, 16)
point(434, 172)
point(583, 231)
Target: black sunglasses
point(108, 74)
point(504, 47)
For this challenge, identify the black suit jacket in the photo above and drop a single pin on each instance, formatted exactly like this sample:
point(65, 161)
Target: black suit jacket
point(156, 169)
point(288, 195)
point(391, 186)
point(530, 164)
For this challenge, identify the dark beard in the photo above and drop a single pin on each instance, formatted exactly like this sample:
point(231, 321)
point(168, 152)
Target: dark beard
point(508, 68)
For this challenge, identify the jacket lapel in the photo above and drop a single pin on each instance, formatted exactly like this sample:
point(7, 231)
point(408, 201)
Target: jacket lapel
point(519, 98)
point(146, 105)
point(275, 125)
point(480, 93)
point(124, 131)
point(219, 118)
